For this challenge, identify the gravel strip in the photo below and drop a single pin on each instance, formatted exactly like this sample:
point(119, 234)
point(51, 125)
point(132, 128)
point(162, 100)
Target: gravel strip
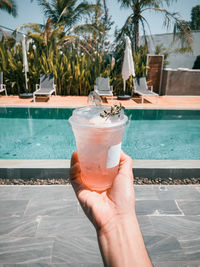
point(137, 180)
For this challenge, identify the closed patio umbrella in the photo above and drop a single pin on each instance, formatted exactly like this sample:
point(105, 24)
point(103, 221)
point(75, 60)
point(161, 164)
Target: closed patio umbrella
point(128, 66)
point(25, 67)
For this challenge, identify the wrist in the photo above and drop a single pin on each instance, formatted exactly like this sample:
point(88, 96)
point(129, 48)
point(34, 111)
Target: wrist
point(117, 222)
point(122, 236)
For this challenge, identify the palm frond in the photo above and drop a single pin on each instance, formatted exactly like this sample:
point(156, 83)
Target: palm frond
point(9, 6)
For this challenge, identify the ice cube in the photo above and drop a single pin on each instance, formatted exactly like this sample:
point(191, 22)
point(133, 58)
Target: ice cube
point(98, 120)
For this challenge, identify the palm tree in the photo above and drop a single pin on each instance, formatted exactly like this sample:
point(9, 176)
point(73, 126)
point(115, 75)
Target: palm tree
point(138, 7)
point(66, 12)
point(9, 6)
point(95, 30)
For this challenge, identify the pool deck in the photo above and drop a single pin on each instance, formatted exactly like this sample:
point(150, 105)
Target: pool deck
point(43, 226)
point(164, 102)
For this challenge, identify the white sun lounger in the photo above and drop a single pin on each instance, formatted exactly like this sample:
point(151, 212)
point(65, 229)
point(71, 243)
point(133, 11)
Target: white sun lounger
point(103, 87)
point(141, 88)
point(46, 86)
point(2, 85)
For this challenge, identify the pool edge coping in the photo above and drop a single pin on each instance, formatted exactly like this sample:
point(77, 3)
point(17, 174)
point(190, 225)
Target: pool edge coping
point(72, 107)
point(45, 163)
point(44, 169)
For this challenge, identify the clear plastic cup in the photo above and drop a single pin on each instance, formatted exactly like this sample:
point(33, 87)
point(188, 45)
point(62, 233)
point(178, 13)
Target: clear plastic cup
point(98, 142)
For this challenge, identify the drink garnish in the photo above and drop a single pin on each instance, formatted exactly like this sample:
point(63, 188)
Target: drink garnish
point(115, 110)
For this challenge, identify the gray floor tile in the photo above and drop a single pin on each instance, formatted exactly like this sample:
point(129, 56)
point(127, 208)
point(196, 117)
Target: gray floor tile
point(156, 207)
point(85, 265)
point(12, 226)
point(25, 250)
point(55, 265)
point(65, 237)
point(12, 207)
point(176, 225)
point(145, 192)
point(76, 250)
point(185, 192)
point(194, 264)
point(189, 207)
point(8, 192)
point(162, 248)
point(176, 264)
point(47, 192)
point(65, 226)
point(145, 225)
point(191, 246)
point(60, 207)
point(197, 187)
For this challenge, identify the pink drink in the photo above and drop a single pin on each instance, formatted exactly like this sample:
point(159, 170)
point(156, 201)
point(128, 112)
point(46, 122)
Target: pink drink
point(98, 143)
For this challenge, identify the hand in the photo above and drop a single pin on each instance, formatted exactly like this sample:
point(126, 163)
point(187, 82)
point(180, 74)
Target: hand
point(113, 214)
point(106, 208)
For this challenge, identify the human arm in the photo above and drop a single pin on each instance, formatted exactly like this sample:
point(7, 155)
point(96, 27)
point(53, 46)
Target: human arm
point(112, 212)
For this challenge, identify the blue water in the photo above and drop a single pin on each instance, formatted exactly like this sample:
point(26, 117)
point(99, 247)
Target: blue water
point(40, 133)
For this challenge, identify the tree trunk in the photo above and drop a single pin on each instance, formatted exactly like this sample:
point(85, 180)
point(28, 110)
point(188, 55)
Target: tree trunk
point(136, 35)
point(136, 12)
point(105, 10)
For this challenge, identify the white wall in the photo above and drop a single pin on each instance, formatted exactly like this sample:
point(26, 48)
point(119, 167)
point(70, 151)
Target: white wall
point(176, 60)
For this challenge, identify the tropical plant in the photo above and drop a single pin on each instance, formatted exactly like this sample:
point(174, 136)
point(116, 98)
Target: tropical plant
point(9, 6)
point(133, 22)
point(161, 50)
point(197, 62)
point(74, 72)
point(195, 18)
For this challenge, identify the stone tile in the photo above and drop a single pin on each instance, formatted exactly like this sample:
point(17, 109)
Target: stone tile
point(12, 207)
point(8, 192)
point(191, 246)
point(145, 225)
point(156, 207)
point(176, 264)
point(194, 264)
point(186, 192)
point(189, 207)
point(12, 226)
point(65, 226)
point(25, 250)
point(55, 265)
point(76, 250)
point(60, 207)
point(145, 192)
point(47, 192)
point(85, 265)
point(163, 247)
point(176, 225)
point(197, 188)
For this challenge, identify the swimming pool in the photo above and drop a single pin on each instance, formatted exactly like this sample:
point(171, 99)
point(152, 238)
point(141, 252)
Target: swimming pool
point(44, 133)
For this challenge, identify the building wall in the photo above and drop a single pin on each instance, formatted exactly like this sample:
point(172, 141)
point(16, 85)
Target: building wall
point(176, 60)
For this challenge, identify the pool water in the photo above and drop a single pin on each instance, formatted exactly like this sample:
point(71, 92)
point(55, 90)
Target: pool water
point(44, 133)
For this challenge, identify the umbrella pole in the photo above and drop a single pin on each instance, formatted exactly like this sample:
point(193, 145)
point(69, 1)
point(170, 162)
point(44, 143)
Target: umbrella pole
point(26, 82)
point(124, 86)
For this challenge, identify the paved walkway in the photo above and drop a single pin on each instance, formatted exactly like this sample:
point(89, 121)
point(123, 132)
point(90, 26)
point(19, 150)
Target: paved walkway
point(181, 102)
point(45, 226)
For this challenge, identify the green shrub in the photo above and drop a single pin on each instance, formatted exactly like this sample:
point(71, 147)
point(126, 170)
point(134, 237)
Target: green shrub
point(197, 63)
